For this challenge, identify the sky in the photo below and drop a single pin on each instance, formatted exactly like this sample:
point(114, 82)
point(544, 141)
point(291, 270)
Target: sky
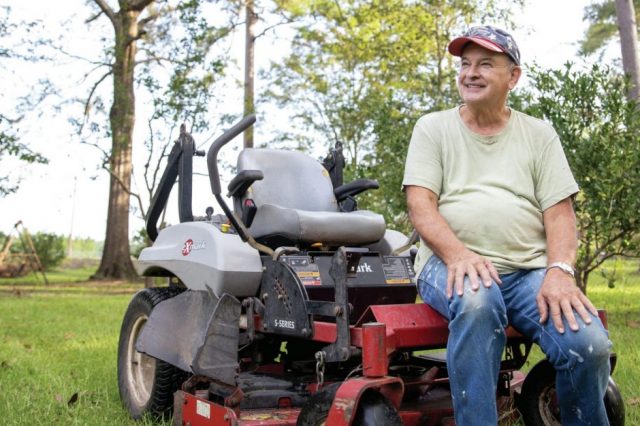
point(69, 195)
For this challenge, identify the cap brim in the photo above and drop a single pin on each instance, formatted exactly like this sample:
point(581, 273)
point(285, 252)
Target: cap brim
point(457, 45)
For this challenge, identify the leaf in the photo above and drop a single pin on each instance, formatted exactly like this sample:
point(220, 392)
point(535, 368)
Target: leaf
point(633, 401)
point(73, 399)
point(633, 324)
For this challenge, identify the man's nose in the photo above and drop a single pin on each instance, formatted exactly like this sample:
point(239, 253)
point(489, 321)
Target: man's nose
point(473, 70)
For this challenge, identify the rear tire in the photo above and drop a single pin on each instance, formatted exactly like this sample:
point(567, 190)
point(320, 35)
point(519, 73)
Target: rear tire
point(146, 384)
point(373, 409)
point(538, 403)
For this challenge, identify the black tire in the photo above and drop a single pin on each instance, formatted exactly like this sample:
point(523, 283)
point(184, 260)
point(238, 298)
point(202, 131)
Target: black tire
point(614, 404)
point(538, 403)
point(373, 409)
point(146, 384)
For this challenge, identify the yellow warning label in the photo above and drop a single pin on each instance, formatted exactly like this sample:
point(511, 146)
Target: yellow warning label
point(308, 274)
point(399, 281)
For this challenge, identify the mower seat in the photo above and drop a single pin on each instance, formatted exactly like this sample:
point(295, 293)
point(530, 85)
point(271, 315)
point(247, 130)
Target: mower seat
point(295, 203)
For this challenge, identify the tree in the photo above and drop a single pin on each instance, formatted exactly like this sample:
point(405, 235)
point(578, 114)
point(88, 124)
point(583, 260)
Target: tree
point(609, 19)
point(602, 25)
point(361, 72)
point(249, 67)
point(628, 29)
point(187, 88)
point(128, 29)
point(599, 130)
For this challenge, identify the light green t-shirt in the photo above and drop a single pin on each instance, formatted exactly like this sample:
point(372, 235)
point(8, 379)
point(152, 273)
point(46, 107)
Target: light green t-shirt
point(492, 189)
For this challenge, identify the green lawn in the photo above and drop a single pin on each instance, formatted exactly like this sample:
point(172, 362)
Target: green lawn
point(58, 347)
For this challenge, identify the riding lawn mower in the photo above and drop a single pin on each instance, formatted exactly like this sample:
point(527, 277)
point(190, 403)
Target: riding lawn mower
point(293, 307)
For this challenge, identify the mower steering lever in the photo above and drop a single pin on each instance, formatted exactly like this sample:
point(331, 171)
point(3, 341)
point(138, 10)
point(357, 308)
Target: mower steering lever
point(226, 137)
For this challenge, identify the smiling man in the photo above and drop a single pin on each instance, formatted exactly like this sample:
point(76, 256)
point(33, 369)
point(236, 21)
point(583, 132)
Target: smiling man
point(490, 191)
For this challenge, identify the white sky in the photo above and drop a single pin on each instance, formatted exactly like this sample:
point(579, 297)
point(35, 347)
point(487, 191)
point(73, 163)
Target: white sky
point(548, 32)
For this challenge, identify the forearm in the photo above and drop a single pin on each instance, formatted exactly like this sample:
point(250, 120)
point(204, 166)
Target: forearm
point(561, 233)
point(559, 295)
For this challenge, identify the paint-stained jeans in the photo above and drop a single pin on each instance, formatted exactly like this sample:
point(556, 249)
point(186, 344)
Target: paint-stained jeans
point(477, 323)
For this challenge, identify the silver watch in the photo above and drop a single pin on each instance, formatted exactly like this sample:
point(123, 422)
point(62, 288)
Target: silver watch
point(565, 267)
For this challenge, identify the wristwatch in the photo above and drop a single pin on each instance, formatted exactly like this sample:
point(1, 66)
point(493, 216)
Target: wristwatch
point(565, 267)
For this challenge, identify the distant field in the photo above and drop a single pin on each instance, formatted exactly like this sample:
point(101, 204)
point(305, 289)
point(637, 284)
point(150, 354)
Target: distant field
point(58, 346)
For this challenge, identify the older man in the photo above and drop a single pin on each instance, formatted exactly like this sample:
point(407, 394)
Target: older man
point(489, 190)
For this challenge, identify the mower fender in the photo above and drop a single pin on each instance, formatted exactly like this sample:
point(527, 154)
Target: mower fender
point(345, 403)
point(204, 257)
point(204, 342)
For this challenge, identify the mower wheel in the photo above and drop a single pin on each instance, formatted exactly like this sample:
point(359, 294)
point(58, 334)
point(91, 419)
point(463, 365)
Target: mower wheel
point(539, 406)
point(373, 409)
point(146, 384)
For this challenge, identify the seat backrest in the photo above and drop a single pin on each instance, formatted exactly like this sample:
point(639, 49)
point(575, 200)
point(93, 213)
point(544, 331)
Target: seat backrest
point(291, 180)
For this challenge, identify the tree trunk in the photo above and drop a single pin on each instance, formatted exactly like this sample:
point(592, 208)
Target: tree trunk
point(249, 68)
point(582, 278)
point(626, 16)
point(116, 259)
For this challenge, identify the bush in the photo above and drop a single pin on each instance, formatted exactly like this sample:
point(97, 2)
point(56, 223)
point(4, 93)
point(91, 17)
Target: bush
point(599, 129)
point(50, 248)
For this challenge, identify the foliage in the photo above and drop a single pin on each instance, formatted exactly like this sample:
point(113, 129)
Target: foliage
point(600, 130)
point(50, 248)
point(361, 72)
point(10, 145)
point(139, 242)
point(392, 127)
point(603, 25)
point(85, 248)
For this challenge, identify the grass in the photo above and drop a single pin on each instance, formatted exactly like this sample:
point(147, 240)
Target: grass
point(58, 346)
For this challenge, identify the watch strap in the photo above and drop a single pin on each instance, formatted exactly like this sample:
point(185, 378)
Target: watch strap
point(563, 266)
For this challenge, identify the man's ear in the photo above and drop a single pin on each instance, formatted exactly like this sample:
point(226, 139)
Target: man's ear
point(516, 72)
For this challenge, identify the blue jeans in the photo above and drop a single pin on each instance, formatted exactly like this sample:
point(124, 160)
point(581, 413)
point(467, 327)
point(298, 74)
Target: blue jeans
point(477, 322)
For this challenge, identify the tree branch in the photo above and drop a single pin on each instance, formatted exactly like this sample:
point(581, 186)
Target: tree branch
point(94, 17)
point(93, 89)
point(105, 154)
point(276, 25)
point(107, 11)
point(138, 5)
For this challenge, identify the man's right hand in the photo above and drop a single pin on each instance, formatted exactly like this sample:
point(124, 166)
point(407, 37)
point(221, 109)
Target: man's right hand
point(472, 265)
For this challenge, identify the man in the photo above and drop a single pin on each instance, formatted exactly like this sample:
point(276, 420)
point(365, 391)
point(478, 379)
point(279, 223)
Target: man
point(489, 190)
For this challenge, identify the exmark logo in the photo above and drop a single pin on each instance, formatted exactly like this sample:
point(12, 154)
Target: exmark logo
point(365, 267)
point(190, 245)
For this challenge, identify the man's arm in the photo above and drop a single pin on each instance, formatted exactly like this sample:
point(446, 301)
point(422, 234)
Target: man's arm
point(559, 295)
point(434, 230)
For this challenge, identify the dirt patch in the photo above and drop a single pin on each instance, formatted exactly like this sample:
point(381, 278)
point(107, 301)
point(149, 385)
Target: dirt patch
point(73, 263)
point(79, 288)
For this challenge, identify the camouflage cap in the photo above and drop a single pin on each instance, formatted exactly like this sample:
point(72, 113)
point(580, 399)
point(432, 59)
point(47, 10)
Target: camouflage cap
point(488, 37)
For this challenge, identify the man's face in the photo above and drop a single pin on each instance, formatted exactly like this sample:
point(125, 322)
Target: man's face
point(485, 77)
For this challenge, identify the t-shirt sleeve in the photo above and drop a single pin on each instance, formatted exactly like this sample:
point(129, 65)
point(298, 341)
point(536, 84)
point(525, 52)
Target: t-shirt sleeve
point(553, 179)
point(423, 166)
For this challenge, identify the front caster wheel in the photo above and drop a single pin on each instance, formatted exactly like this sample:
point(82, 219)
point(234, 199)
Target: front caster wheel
point(539, 406)
point(146, 384)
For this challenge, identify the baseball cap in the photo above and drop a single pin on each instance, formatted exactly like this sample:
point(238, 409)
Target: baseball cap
point(490, 38)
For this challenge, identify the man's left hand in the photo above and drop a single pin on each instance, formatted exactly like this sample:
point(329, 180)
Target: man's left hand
point(559, 296)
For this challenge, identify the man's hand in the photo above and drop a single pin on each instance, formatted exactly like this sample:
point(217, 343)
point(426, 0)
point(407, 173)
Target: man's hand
point(559, 296)
point(472, 265)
